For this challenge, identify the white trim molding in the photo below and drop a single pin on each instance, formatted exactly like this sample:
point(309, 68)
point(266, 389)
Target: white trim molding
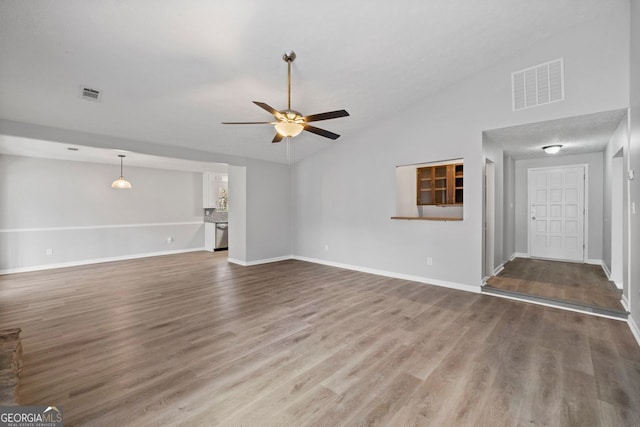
point(521, 255)
point(259, 261)
point(514, 298)
point(625, 302)
point(634, 328)
point(498, 269)
point(95, 261)
point(419, 279)
point(606, 271)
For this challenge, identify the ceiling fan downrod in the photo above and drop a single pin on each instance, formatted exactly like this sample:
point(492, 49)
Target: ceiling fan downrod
point(288, 57)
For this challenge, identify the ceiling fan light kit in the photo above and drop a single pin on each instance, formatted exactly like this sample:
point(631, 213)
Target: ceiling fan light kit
point(289, 129)
point(290, 123)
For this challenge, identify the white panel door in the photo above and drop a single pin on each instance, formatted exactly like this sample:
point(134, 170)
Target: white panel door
point(556, 214)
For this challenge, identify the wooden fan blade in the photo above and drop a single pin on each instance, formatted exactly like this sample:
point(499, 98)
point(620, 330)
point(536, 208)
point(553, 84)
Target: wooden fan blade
point(266, 107)
point(277, 138)
point(247, 123)
point(325, 116)
point(321, 132)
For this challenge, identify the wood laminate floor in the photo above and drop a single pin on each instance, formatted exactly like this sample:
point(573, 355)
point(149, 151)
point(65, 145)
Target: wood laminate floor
point(192, 340)
point(584, 284)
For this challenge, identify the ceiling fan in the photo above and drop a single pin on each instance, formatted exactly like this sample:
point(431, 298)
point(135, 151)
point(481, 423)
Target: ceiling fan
point(289, 123)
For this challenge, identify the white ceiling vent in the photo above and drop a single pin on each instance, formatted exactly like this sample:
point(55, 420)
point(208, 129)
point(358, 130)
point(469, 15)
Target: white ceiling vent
point(538, 85)
point(90, 94)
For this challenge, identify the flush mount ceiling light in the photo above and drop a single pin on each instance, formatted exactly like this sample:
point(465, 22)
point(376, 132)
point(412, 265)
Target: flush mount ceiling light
point(121, 183)
point(552, 149)
point(289, 123)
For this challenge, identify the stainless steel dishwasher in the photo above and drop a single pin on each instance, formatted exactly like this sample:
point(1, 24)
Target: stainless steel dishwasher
point(222, 236)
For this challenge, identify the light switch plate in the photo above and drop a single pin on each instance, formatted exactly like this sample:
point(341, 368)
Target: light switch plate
point(631, 174)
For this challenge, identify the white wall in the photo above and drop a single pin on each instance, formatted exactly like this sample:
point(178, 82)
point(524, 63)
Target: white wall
point(343, 196)
point(70, 208)
point(634, 185)
point(593, 238)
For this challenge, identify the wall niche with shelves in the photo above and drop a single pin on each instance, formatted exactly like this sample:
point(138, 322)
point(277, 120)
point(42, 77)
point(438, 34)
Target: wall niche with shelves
point(430, 191)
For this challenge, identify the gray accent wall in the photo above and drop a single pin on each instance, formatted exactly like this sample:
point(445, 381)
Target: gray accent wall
point(619, 141)
point(69, 208)
point(509, 244)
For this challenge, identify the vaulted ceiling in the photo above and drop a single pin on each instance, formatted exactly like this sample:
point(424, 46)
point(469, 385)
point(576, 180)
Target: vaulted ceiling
point(171, 71)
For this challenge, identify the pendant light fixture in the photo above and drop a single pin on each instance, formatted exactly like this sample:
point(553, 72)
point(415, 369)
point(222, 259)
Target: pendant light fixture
point(121, 183)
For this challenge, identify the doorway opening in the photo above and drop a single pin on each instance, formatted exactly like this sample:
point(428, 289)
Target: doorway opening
point(552, 216)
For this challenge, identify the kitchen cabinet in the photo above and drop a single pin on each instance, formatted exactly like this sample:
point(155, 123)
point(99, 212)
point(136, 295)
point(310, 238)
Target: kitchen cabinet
point(440, 185)
point(212, 183)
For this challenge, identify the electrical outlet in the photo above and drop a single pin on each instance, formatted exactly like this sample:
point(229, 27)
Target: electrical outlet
point(49, 251)
point(429, 260)
point(169, 239)
point(326, 248)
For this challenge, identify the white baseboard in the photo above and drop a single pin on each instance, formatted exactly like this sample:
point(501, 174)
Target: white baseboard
point(419, 279)
point(606, 271)
point(513, 256)
point(625, 302)
point(634, 329)
point(498, 269)
point(618, 285)
point(259, 261)
point(95, 261)
point(594, 262)
point(520, 255)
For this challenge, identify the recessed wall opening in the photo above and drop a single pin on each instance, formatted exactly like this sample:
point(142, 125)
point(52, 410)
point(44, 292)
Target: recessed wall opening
point(431, 190)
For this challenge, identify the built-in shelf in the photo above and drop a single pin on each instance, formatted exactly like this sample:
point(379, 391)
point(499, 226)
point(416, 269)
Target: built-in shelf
point(426, 218)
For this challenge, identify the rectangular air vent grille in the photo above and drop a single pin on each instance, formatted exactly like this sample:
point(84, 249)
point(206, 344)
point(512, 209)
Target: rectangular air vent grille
point(538, 85)
point(90, 94)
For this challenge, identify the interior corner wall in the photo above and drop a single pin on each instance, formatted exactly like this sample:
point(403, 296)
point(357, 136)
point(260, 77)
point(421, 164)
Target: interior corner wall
point(634, 164)
point(344, 195)
point(509, 212)
point(496, 155)
point(70, 209)
point(619, 140)
point(237, 213)
point(268, 211)
point(595, 198)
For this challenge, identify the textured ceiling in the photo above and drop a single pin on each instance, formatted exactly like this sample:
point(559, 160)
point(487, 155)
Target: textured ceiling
point(171, 71)
point(577, 135)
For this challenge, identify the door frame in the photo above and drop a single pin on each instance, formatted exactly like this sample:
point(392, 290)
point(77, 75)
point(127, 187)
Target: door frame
point(488, 223)
point(616, 219)
point(585, 222)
